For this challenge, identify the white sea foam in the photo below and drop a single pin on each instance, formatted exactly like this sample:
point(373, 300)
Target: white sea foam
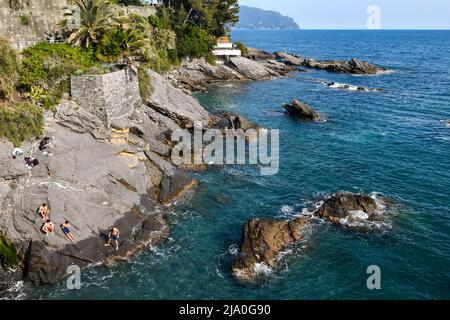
point(287, 209)
point(344, 86)
point(233, 249)
point(262, 269)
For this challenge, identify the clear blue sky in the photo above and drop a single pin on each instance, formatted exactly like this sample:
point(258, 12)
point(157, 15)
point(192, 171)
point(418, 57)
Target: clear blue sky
point(351, 14)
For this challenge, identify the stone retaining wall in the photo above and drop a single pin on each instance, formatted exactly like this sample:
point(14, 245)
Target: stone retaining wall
point(111, 96)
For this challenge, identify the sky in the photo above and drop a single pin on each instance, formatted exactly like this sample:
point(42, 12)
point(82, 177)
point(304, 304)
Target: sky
point(352, 14)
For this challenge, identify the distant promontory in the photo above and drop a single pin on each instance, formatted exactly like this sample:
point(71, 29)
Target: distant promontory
point(259, 19)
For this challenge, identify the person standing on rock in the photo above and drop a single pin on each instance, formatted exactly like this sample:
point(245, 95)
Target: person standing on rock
point(113, 235)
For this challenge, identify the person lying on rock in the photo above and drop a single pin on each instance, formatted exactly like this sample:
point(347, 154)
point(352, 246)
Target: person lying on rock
point(44, 143)
point(43, 211)
point(113, 235)
point(66, 230)
point(48, 227)
point(16, 152)
point(31, 162)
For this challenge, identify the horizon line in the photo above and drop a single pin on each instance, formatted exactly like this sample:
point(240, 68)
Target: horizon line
point(344, 29)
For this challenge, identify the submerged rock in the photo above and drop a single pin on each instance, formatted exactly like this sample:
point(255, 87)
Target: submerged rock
point(353, 66)
point(262, 240)
point(302, 111)
point(349, 87)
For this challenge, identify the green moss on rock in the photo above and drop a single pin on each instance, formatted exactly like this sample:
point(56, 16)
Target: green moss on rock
point(8, 254)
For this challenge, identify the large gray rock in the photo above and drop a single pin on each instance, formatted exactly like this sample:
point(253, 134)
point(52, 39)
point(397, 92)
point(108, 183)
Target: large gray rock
point(302, 111)
point(175, 104)
point(196, 74)
point(258, 55)
point(251, 69)
point(95, 177)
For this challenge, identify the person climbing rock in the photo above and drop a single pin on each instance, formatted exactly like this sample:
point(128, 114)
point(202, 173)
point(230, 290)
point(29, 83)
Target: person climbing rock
point(113, 235)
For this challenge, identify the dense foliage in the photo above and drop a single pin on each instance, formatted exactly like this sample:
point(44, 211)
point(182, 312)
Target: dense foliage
point(194, 42)
point(20, 122)
point(183, 28)
point(97, 17)
point(9, 70)
point(49, 67)
point(213, 16)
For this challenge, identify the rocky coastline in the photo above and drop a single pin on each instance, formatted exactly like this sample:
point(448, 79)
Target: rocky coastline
point(96, 176)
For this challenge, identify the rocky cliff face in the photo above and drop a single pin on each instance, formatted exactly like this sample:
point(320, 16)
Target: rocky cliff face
point(95, 177)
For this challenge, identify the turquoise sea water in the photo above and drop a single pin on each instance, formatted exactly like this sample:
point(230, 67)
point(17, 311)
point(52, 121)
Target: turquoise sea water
point(391, 142)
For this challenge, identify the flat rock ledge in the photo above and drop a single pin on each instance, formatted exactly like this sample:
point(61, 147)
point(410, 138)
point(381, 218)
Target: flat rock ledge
point(263, 239)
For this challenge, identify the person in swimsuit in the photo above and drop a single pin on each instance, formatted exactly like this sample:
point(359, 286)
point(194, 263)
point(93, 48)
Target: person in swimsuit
point(43, 211)
point(113, 235)
point(48, 227)
point(65, 229)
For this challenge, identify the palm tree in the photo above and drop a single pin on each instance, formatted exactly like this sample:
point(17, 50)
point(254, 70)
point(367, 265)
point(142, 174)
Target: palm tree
point(97, 17)
point(118, 44)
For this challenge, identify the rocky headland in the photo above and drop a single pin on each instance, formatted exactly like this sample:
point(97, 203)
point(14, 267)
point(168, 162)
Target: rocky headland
point(96, 175)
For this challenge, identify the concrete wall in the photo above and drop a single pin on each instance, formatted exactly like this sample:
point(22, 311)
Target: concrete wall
point(42, 16)
point(111, 96)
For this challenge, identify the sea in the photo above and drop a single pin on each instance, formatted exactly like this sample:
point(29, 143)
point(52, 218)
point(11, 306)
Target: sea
point(392, 143)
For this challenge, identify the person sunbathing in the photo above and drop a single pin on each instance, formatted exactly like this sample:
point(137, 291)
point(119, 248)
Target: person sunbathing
point(43, 211)
point(66, 230)
point(48, 227)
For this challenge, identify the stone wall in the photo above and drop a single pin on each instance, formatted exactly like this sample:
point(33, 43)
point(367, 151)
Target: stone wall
point(144, 11)
point(25, 22)
point(111, 96)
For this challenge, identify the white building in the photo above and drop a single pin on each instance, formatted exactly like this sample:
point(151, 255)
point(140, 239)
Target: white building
point(225, 49)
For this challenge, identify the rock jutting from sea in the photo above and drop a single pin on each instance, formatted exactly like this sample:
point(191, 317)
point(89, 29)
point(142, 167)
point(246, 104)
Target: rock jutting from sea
point(264, 239)
point(352, 66)
point(302, 111)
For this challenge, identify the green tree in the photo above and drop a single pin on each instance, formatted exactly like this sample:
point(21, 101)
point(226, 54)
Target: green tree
point(213, 16)
point(194, 42)
point(97, 17)
point(119, 43)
